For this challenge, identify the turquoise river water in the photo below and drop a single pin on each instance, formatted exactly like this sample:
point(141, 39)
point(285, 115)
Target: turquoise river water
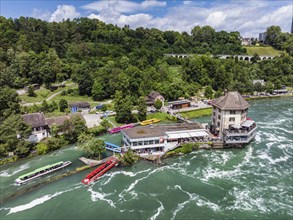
point(255, 182)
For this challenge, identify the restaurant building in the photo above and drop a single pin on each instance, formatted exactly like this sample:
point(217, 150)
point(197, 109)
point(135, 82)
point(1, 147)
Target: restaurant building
point(162, 138)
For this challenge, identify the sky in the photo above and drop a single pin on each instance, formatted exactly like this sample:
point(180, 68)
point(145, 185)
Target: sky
point(249, 17)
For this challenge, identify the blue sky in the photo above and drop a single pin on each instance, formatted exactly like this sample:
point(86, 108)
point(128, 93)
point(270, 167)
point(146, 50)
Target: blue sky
point(249, 17)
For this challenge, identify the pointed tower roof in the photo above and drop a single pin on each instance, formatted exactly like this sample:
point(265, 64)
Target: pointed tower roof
point(231, 101)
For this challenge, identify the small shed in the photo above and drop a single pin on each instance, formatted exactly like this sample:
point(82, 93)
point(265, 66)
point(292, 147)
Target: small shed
point(180, 104)
point(79, 106)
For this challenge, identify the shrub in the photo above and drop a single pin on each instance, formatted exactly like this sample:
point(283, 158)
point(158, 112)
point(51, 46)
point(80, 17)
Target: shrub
point(54, 143)
point(41, 148)
point(63, 93)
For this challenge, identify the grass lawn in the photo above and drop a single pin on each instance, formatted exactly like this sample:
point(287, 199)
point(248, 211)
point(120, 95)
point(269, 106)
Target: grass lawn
point(112, 119)
point(197, 113)
point(159, 115)
point(43, 94)
point(54, 114)
point(262, 51)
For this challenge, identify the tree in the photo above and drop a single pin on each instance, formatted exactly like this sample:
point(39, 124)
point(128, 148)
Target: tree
point(272, 34)
point(63, 104)
point(13, 130)
point(53, 106)
point(209, 92)
point(218, 94)
point(123, 107)
point(142, 109)
point(158, 104)
point(54, 130)
point(31, 92)
point(22, 148)
point(91, 145)
point(72, 127)
point(9, 102)
point(97, 91)
point(105, 123)
point(84, 80)
point(104, 108)
point(45, 106)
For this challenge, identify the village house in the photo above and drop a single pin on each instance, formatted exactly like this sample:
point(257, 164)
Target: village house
point(152, 97)
point(39, 126)
point(161, 138)
point(246, 41)
point(79, 107)
point(229, 120)
point(179, 104)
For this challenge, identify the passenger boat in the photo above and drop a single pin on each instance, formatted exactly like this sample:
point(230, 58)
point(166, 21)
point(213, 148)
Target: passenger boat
point(41, 171)
point(94, 175)
point(118, 129)
point(150, 121)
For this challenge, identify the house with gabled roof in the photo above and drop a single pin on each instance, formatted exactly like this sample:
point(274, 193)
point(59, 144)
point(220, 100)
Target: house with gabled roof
point(40, 128)
point(152, 97)
point(79, 106)
point(230, 121)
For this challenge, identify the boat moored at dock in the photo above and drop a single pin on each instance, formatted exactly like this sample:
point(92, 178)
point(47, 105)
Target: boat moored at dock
point(41, 171)
point(94, 175)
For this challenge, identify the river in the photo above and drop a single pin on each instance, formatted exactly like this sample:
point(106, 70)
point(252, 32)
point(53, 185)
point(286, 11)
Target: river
point(250, 183)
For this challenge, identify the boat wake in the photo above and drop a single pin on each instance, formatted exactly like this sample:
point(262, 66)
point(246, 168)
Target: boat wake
point(10, 172)
point(38, 201)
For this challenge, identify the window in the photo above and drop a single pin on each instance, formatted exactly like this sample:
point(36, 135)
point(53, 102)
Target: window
point(214, 113)
point(145, 142)
point(157, 141)
point(134, 143)
point(139, 143)
point(232, 119)
point(219, 110)
point(43, 134)
point(214, 121)
point(219, 117)
point(151, 142)
point(232, 112)
point(218, 124)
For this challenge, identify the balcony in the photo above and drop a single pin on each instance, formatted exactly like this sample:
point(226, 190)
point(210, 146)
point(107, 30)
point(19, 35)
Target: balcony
point(240, 139)
point(240, 132)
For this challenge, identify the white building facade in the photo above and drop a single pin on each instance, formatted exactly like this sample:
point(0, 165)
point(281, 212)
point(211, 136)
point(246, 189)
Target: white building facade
point(161, 138)
point(40, 129)
point(229, 119)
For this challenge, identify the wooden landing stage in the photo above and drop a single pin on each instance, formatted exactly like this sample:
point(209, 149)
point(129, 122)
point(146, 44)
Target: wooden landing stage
point(91, 162)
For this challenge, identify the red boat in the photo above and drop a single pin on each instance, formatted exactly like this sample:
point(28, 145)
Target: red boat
point(94, 175)
point(117, 129)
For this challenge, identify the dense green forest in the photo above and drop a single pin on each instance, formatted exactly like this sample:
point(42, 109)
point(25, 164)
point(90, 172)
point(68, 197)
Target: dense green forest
point(104, 59)
point(107, 61)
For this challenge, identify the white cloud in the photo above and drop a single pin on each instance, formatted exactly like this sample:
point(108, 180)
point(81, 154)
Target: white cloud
point(41, 14)
point(187, 2)
point(215, 19)
point(123, 6)
point(64, 12)
point(247, 17)
point(153, 3)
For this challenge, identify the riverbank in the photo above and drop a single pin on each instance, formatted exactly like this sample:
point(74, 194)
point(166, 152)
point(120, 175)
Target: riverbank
point(269, 97)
